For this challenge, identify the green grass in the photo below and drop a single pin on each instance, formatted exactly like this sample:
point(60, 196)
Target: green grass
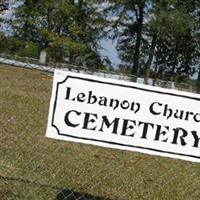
point(35, 167)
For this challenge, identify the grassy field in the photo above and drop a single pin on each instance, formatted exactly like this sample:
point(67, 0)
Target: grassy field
point(35, 167)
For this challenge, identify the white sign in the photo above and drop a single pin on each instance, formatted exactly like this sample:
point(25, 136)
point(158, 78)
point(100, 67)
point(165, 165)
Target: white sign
point(124, 115)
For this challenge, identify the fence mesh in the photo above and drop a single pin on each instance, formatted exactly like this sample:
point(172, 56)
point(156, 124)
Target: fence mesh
point(35, 167)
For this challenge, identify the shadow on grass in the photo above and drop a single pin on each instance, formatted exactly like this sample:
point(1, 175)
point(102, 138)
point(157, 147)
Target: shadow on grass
point(73, 195)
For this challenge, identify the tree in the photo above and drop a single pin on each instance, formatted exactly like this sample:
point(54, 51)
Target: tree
point(173, 26)
point(66, 29)
point(156, 35)
point(3, 7)
point(129, 31)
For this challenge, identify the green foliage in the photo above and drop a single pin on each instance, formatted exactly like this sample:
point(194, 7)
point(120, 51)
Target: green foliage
point(20, 47)
point(157, 35)
point(157, 38)
point(65, 29)
point(175, 48)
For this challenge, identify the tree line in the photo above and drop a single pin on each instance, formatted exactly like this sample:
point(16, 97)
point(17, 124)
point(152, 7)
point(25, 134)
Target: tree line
point(157, 38)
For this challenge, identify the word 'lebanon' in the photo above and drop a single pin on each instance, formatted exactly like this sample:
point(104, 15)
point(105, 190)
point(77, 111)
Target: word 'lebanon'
point(127, 116)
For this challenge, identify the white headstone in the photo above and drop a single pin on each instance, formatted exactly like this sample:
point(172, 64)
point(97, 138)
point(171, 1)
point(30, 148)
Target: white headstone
point(43, 57)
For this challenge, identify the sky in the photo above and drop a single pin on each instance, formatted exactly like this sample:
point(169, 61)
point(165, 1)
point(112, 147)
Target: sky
point(109, 49)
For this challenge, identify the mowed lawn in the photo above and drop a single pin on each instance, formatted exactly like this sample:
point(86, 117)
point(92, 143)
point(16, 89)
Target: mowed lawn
point(35, 167)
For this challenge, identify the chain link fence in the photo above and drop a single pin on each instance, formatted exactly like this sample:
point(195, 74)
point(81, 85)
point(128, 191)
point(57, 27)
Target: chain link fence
point(33, 63)
point(35, 167)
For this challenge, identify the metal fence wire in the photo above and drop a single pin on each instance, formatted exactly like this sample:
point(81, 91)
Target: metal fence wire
point(35, 167)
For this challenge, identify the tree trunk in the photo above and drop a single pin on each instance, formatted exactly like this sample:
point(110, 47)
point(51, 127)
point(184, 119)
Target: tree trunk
point(175, 63)
point(136, 55)
point(150, 58)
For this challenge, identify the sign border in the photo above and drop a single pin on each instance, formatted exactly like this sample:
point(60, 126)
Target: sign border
point(110, 142)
